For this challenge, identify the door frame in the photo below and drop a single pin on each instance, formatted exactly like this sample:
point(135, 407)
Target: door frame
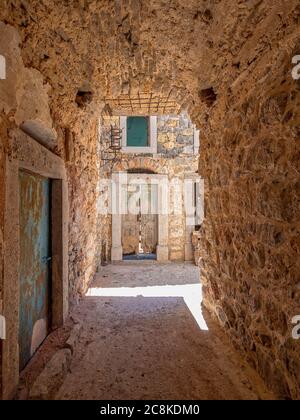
point(26, 154)
point(122, 178)
point(139, 217)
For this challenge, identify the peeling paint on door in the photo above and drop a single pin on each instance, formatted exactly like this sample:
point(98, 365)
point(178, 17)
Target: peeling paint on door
point(35, 252)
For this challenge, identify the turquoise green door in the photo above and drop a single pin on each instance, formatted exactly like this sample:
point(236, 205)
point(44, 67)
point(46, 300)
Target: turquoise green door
point(35, 253)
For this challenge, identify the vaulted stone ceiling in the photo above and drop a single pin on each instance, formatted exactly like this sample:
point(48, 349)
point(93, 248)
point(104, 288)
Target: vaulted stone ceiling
point(107, 48)
point(143, 103)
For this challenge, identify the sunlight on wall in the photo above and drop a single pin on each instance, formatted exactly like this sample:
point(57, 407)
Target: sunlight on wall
point(191, 294)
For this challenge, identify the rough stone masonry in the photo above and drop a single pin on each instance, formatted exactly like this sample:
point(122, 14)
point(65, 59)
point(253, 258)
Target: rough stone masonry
point(229, 64)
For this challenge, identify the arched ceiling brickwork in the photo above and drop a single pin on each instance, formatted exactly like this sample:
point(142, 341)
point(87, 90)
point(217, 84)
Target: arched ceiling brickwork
point(193, 51)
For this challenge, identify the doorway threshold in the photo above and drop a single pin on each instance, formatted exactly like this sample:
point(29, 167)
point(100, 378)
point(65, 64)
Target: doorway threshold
point(140, 257)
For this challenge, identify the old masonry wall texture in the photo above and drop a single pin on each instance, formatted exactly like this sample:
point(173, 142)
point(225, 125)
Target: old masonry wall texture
point(249, 245)
point(229, 65)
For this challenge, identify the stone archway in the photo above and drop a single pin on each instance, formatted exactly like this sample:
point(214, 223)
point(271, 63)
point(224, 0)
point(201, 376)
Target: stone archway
point(219, 62)
point(140, 163)
point(120, 179)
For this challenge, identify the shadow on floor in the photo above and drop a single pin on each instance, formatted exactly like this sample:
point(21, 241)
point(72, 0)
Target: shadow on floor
point(138, 346)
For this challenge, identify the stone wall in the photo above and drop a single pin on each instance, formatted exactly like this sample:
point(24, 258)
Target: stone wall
point(83, 177)
point(249, 244)
point(25, 106)
point(175, 157)
point(175, 136)
point(24, 102)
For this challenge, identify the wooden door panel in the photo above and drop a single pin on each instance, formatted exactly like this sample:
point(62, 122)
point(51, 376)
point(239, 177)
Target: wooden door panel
point(130, 234)
point(140, 231)
point(149, 237)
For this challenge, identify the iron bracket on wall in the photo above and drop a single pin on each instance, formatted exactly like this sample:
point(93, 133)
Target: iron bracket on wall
point(111, 154)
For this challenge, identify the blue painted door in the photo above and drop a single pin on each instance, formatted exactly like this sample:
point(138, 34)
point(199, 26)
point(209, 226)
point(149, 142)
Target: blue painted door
point(35, 253)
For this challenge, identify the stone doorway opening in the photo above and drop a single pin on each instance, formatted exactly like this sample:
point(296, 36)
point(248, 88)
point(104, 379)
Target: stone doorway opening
point(37, 204)
point(139, 228)
point(140, 223)
point(167, 163)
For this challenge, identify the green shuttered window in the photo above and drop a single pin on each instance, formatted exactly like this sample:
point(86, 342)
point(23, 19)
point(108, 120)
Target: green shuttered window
point(137, 131)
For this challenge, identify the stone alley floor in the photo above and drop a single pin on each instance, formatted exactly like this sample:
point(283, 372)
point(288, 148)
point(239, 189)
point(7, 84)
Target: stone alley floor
point(144, 337)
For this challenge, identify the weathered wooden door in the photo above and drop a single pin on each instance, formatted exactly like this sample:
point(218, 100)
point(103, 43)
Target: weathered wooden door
point(140, 227)
point(149, 219)
point(149, 233)
point(130, 220)
point(35, 253)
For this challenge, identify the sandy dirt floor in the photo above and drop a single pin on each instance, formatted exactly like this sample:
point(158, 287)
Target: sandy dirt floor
point(138, 343)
